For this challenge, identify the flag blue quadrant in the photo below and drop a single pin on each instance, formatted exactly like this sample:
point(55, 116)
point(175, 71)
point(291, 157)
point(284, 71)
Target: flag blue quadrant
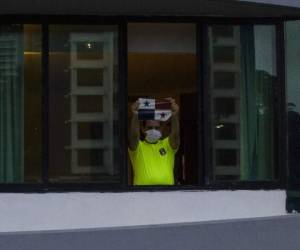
point(146, 114)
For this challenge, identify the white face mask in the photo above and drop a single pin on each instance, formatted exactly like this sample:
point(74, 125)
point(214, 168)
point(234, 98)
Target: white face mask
point(152, 135)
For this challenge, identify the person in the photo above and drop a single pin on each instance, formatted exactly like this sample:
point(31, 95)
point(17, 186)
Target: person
point(152, 159)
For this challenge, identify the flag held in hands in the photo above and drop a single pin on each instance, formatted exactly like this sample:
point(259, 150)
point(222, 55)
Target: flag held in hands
point(154, 109)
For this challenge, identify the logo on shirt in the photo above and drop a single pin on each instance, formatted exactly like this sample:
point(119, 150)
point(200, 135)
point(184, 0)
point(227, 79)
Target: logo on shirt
point(162, 151)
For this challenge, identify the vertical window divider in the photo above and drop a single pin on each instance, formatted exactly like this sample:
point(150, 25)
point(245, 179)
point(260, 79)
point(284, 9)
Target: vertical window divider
point(204, 96)
point(45, 104)
point(123, 116)
point(201, 90)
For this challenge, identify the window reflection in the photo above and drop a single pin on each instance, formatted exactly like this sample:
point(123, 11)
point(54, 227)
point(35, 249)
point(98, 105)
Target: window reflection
point(242, 77)
point(20, 103)
point(83, 115)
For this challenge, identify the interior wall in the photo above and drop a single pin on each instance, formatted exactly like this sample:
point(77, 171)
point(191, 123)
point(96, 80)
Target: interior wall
point(161, 59)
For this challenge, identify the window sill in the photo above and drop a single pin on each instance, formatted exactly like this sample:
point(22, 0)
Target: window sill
point(92, 187)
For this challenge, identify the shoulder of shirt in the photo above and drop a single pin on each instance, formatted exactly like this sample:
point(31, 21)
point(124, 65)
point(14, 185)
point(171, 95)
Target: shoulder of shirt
point(165, 140)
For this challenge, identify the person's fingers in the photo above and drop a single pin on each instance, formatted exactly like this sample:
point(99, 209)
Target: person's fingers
point(171, 100)
point(134, 106)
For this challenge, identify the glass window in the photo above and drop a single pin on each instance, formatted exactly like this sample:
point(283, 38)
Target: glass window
point(83, 115)
point(242, 62)
point(162, 64)
point(84, 126)
point(20, 103)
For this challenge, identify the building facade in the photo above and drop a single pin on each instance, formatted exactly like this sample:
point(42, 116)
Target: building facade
point(69, 72)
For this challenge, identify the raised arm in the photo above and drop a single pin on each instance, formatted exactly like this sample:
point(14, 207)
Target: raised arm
point(174, 136)
point(134, 128)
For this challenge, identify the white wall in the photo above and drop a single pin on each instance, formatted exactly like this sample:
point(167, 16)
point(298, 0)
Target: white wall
point(22, 212)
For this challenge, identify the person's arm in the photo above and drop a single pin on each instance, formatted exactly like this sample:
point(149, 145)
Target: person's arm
point(174, 137)
point(134, 129)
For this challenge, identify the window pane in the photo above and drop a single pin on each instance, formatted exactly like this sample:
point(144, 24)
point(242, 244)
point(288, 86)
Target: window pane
point(89, 104)
point(224, 79)
point(20, 103)
point(222, 31)
point(223, 54)
point(161, 64)
point(83, 116)
point(243, 73)
point(224, 107)
point(226, 157)
point(226, 131)
point(90, 157)
point(89, 50)
point(90, 130)
point(89, 77)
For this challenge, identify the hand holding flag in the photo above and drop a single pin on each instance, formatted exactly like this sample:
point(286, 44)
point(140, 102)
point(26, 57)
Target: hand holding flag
point(174, 106)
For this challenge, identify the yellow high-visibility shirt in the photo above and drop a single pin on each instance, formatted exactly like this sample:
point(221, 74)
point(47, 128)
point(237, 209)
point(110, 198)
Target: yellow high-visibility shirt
point(153, 163)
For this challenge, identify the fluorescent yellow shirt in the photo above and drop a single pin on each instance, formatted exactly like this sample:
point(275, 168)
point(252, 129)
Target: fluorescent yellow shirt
point(153, 164)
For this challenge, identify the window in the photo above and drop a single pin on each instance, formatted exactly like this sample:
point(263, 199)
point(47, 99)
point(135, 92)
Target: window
point(20, 103)
point(161, 64)
point(66, 91)
point(83, 105)
point(243, 75)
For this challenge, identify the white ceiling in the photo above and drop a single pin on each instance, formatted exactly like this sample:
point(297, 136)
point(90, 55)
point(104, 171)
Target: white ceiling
point(291, 3)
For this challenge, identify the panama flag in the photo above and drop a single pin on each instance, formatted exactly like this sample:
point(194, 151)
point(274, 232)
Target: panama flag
point(154, 109)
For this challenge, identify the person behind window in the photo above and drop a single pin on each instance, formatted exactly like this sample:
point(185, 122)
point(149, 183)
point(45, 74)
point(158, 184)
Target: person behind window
point(153, 158)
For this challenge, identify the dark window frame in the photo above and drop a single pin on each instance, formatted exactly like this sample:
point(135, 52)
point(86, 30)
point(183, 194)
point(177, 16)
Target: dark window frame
point(205, 173)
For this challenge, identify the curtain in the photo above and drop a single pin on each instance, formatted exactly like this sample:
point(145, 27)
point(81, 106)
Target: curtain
point(256, 119)
point(265, 114)
point(11, 104)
